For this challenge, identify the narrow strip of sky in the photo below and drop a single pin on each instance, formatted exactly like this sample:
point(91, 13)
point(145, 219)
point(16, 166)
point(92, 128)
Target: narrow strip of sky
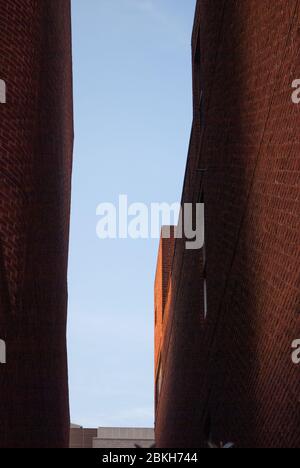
point(133, 112)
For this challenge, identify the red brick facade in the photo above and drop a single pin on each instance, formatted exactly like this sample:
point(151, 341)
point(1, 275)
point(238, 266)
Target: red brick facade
point(36, 139)
point(232, 375)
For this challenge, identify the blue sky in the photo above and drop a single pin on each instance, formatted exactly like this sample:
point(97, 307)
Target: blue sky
point(133, 114)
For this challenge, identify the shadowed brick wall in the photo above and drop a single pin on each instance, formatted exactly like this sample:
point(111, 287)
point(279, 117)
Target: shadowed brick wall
point(36, 139)
point(244, 161)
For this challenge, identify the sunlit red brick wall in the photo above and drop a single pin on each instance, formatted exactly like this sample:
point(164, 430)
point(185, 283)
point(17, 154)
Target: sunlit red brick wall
point(36, 138)
point(162, 279)
point(244, 160)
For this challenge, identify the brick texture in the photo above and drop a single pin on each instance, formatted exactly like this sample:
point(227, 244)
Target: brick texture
point(82, 438)
point(163, 272)
point(36, 139)
point(232, 374)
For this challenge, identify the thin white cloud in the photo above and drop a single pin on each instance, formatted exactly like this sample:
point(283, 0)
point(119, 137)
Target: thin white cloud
point(154, 10)
point(143, 5)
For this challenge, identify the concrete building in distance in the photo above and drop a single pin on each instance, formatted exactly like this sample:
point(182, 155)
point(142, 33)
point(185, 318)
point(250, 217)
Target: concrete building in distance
point(111, 437)
point(226, 320)
point(36, 142)
point(81, 437)
point(124, 438)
